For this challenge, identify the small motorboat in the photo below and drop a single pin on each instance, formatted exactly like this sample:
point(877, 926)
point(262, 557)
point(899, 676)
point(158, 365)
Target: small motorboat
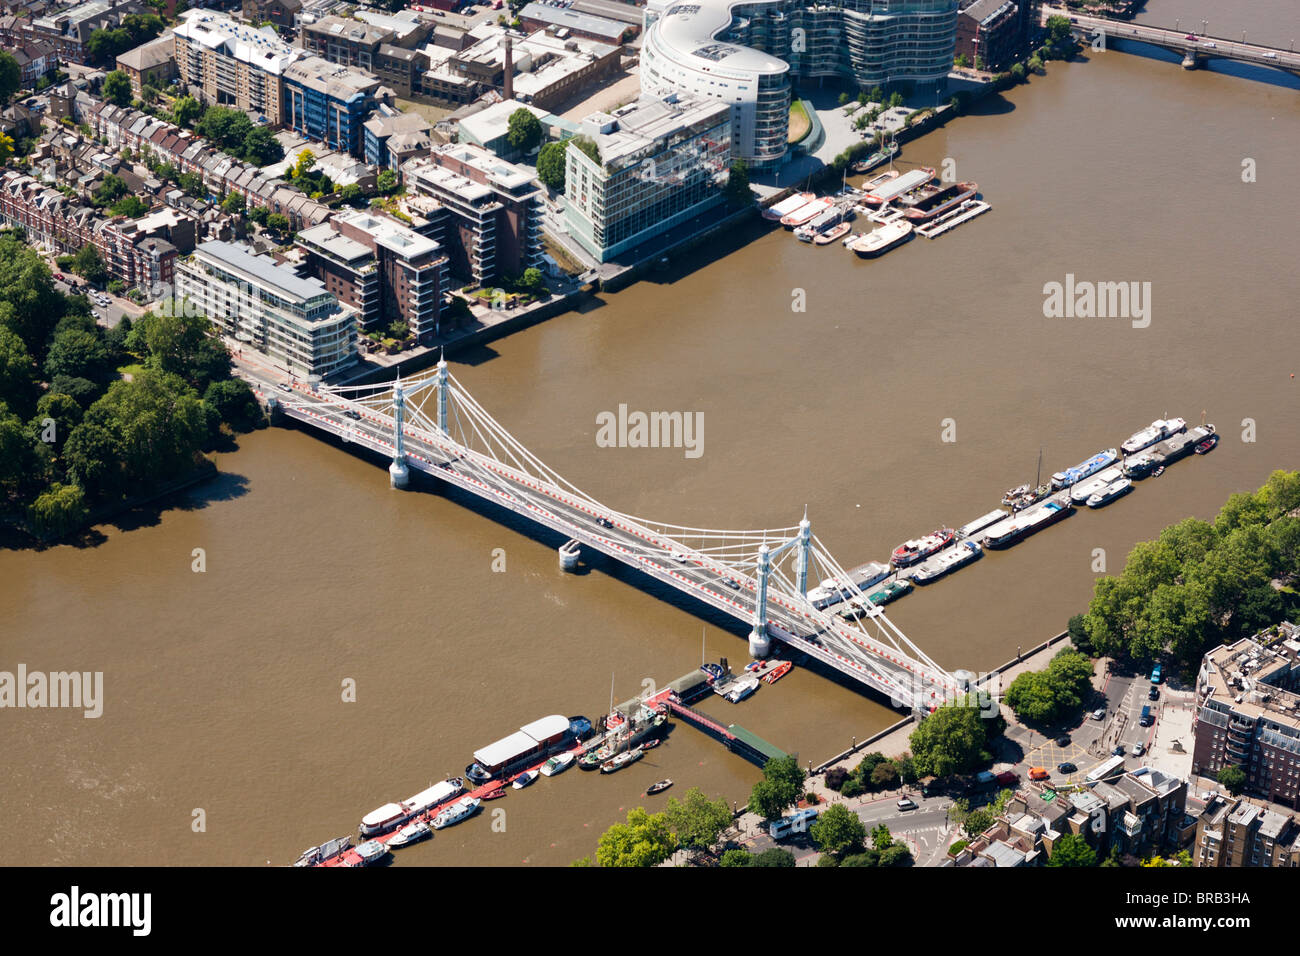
point(753, 666)
point(558, 764)
point(741, 689)
point(1158, 472)
point(714, 671)
point(524, 779)
point(622, 760)
point(412, 833)
point(458, 811)
point(652, 744)
point(777, 672)
point(830, 235)
point(659, 787)
point(1207, 445)
point(496, 793)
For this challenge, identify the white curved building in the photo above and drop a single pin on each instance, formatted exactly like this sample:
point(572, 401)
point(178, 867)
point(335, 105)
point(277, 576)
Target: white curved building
point(747, 53)
point(679, 53)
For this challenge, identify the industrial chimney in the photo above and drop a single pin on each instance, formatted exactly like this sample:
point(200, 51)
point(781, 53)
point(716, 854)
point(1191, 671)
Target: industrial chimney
point(509, 90)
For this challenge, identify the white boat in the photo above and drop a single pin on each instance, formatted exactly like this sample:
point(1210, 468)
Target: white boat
point(458, 811)
point(1116, 489)
point(371, 852)
point(558, 764)
point(1085, 489)
point(411, 833)
point(950, 560)
point(1158, 430)
point(524, 779)
point(742, 689)
point(888, 236)
point(392, 815)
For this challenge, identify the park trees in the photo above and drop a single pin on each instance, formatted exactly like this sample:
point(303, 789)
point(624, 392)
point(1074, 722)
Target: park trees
point(955, 737)
point(696, 820)
point(644, 840)
point(780, 788)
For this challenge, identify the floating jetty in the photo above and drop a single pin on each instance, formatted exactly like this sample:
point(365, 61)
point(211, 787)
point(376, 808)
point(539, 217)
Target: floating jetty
point(951, 220)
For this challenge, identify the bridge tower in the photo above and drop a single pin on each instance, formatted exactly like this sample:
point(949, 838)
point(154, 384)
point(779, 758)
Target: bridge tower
point(398, 473)
point(759, 642)
point(805, 547)
point(442, 394)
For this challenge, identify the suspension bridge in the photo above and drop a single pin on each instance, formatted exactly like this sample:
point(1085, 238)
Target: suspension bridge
point(759, 577)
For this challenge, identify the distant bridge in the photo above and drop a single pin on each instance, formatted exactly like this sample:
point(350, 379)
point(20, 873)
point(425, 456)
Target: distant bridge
point(1194, 47)
point(759, 577)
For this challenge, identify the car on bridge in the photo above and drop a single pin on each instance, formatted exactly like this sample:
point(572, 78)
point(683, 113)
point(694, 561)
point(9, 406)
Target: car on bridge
point(355, 416)
point(604, 522)
point(1190, 36)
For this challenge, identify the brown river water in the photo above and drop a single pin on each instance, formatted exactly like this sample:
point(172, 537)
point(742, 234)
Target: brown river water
point(223, 688)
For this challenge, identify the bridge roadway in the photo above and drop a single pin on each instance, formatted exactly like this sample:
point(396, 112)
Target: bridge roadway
point(908, 683)
point(1205, 47)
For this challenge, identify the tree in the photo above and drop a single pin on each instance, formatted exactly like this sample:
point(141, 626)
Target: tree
point(17, 371)
point(1233, 778)
point(186, 110)
point(89, 265)
point(234, 401)
point(643, 841)
point(838, 831)
point(131, 206)
point(1018, 72)
point(15, 451)
point(58, 511)
point(884, 776)
point(898, 854)
point(351, 194)
point(305, 161)
point(550, 165)
point(961, 60)
point(773, 857)
point(117, 88)
point(976, 822)
point(78, 353)
point(881, 838)
point(954, 738)
point(277, 222)
point(737, 188)
point(696, 820)
point(258, 214)
point(11, 77)
point(523, 130)
point(386, 182)
point(233, 203)
point(735, 858)
point(1058, 29)
point(781, 787)
point(110, 190)
point(1072, 850)
point(531, 280)
point(844, 98)
point(260, 148)
point(181, 345)
point(895, 100)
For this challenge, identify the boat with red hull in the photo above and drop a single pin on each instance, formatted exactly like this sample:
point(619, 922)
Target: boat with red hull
point(918, 549)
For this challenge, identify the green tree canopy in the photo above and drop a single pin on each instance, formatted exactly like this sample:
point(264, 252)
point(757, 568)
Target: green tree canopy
point(780, 788)
point(58, 511)
point(550, 165)
point(955, 737)
point(838, 831)
point(87, 264)
point(1072, 850)
point(523, 130)
point(117, 88)
point(259, 147)
point(696, 820)
point(11, 77)
point(186, 110)
point(1233, 779)
point(644, 840)
point(737, 189)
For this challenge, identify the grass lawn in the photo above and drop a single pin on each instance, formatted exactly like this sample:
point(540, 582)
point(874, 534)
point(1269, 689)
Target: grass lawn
point(800, 124)
point(426, 108)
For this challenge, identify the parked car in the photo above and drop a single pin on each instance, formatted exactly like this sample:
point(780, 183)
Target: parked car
point(1117, 750)
point(1039, 773)
point(1063, 740)
point(1138, 750)
point(1068, 767)
point(1156, 673)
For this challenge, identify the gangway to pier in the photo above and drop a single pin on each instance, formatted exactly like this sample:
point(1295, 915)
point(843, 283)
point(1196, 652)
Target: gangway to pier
point(736, 738)
point(760, 577)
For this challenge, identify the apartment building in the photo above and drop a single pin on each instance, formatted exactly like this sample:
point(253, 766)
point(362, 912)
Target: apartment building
point(383, 270)
point(328, 102)
point(295, 322)
point(228, 63)
point(69, 29)
point(995, 31)
point(493, 210)
point(1244, 832)
point(661, 162)
point(1249, 714)
point(391, 139)
point(282, 13)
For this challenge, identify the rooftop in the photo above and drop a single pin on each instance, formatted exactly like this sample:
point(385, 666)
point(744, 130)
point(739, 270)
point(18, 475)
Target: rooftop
point(353, 30)
point(648, 120)
point(1256, 675)
point(149, 55)
point(611, 30)
point(260, 270)
point(262, 48)
point(335, 81)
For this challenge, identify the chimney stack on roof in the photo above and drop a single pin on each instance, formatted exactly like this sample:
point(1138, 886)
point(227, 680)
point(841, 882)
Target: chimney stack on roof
point(509, 91)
